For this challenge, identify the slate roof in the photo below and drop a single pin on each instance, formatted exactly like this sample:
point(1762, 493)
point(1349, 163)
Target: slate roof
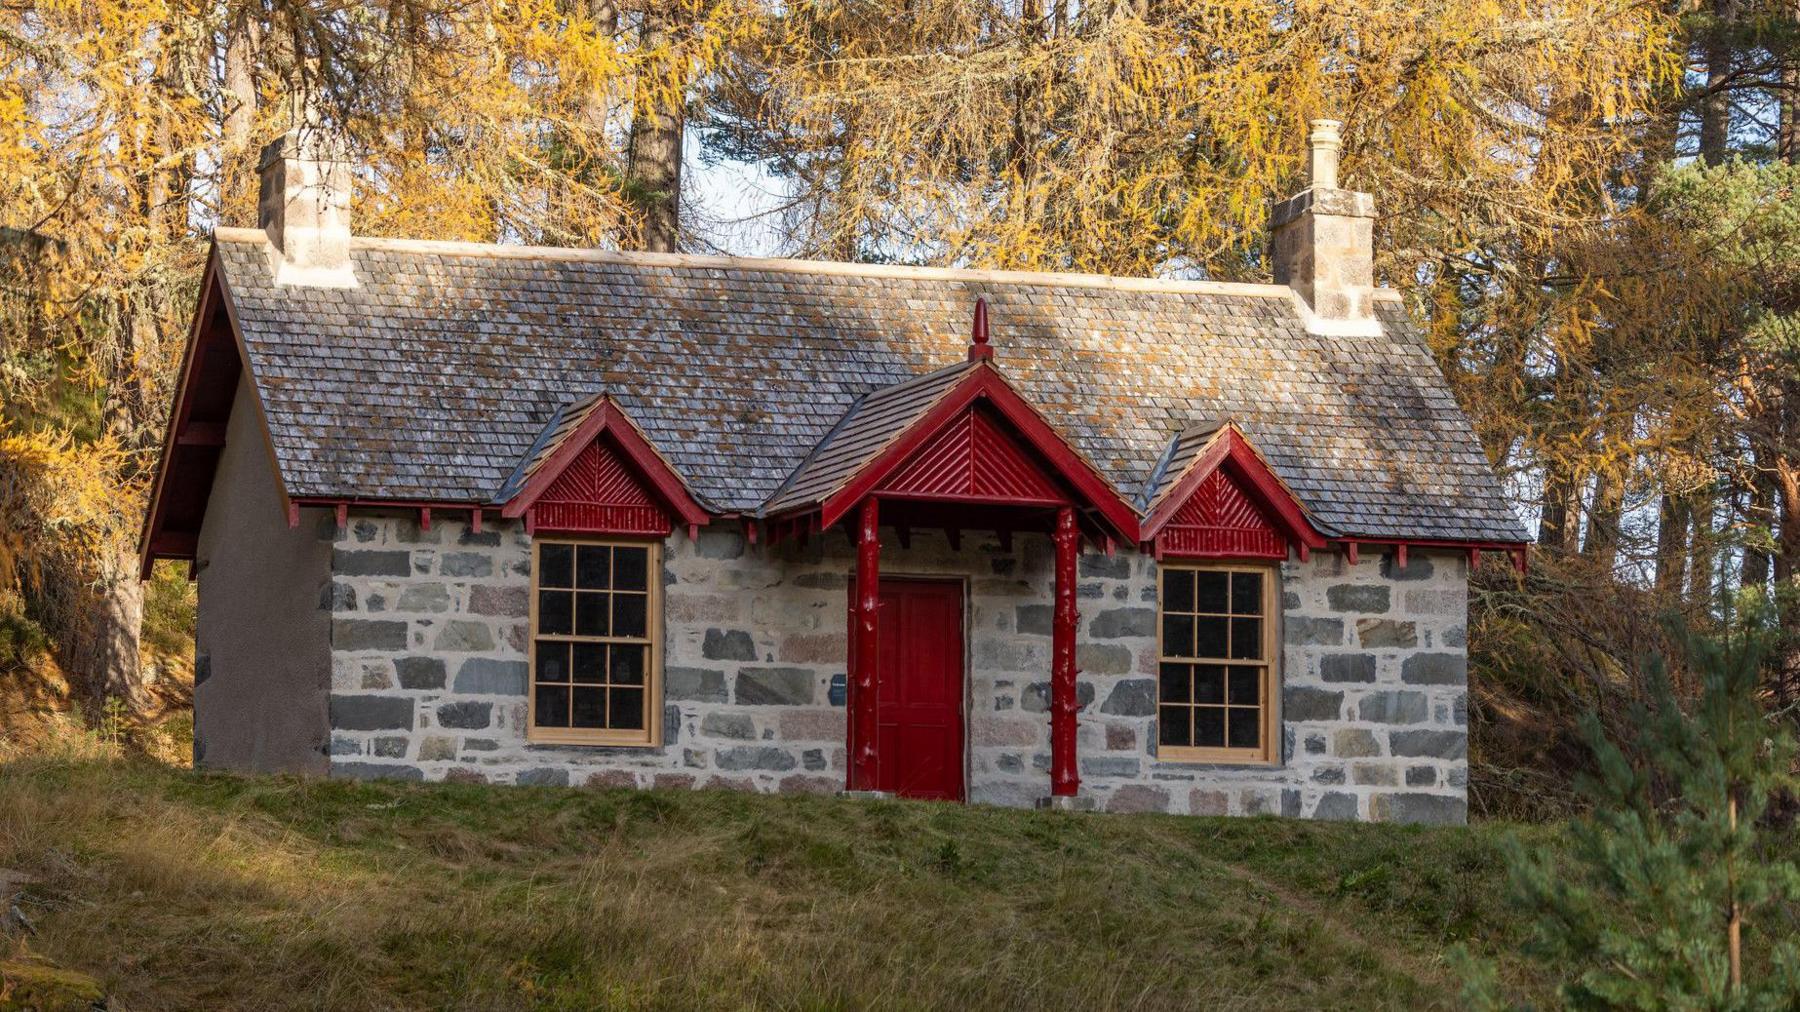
point(435, 376)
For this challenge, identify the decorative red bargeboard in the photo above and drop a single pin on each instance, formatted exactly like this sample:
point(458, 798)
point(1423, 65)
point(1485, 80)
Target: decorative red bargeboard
point(599, 492)
point(1220, 520)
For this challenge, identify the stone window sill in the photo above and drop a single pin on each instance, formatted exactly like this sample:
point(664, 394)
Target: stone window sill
point(594, 749)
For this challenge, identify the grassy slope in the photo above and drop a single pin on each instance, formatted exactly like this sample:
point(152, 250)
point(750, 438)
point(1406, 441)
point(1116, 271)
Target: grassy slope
point(182, 890)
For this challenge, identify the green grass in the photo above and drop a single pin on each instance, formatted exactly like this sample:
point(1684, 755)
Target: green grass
point(182, 890)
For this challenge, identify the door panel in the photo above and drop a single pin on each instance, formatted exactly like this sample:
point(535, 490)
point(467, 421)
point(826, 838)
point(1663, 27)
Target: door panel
point(919, 689)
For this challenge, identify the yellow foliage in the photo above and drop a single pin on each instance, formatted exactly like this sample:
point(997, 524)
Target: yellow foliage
point(1148, 138)
point(58, 505)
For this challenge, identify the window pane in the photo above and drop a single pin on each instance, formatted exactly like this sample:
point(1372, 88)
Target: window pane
point(1209, 726)
point(1246, 638)
point(1177, 683)
point(1178, 590)
point(590, 708)
point(1246, 727)
point(627, 664)
point(1209, 683)
point(1246, 593)
point(1246, 685)
point(590, 662)
point(552, 661)
point(555, 608)
point(1211, 591)
point(590, 614)
point(555, 565)
point(1178, 635)
point(631, 568)
point(1175, 725)
point(593, 567)
point(628, 614)
point(1210, 637)
point(553, 706)
point(627, 709)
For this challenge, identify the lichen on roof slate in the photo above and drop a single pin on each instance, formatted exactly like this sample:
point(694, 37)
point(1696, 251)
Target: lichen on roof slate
point(432, 378)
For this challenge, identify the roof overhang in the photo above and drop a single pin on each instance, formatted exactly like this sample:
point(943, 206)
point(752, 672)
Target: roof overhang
point(212, 366)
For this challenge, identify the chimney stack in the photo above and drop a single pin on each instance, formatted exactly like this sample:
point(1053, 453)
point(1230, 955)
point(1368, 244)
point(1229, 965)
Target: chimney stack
point(1323, 244)
point(304, 208)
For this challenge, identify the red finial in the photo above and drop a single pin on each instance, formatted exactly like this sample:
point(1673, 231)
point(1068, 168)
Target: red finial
point(979, 347)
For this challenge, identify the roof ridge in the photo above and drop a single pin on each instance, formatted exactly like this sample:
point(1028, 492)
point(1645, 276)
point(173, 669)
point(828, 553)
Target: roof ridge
point(780, 265)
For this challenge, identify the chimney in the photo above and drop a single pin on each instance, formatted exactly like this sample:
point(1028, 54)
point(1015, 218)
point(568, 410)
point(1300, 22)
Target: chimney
point(304, 208)
point(1323, 245)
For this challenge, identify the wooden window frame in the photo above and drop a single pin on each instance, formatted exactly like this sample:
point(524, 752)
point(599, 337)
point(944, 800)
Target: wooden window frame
point(1269, 754)
point(651, 734)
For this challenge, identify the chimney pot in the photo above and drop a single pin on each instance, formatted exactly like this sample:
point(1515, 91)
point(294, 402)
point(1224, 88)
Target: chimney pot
point(304, 208)
point(1322, 244)
point(1326, 141)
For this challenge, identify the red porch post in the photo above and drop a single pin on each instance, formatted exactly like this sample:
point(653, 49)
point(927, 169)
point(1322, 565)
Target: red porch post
point(865, 599)
point(1064, 781)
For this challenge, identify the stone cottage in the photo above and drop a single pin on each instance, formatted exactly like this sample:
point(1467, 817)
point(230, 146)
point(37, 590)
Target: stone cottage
point(563, 516)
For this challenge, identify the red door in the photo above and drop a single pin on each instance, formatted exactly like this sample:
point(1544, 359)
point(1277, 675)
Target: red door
point(919, 689)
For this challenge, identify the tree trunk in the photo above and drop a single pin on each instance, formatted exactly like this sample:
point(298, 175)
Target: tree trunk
point(1671, 545)
point(1603, 523)
point(1787, 138)
point(1715, 105)
point(238, 180)
point(1559, 521)
point(105, 633)
point(1759, 499)
point(653, 169)
point(1703, 577)
point(1787, 573)
point(605, 16)
point(105, 636)
point(1029, 115)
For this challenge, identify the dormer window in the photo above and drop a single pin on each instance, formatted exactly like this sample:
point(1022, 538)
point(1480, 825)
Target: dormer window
point(1217, 664)
point(595, 635)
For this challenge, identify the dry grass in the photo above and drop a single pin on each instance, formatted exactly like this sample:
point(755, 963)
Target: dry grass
point(183, 890)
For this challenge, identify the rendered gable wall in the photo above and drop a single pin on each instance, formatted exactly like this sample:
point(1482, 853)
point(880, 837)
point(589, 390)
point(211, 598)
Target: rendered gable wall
point(429, 673)
point(262, 647)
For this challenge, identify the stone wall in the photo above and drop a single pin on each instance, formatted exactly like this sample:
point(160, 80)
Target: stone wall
point(429, 673)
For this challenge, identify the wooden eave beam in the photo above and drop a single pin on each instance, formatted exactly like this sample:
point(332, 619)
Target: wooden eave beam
point(198, 433)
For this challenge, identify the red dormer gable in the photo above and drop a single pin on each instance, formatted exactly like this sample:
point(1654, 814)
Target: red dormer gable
point(595, 473)
point(1224, 501)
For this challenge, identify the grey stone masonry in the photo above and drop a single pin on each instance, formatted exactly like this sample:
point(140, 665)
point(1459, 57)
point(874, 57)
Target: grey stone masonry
point(430, 673)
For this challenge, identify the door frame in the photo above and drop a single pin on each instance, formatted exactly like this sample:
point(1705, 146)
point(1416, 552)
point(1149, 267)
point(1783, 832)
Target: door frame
point(964, 586)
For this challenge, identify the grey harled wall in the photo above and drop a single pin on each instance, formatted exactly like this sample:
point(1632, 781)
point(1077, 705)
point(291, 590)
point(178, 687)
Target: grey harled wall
point(262, 647)
point(429, 674)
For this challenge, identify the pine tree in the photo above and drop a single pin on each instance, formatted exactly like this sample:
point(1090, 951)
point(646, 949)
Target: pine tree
point(1671, 892)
